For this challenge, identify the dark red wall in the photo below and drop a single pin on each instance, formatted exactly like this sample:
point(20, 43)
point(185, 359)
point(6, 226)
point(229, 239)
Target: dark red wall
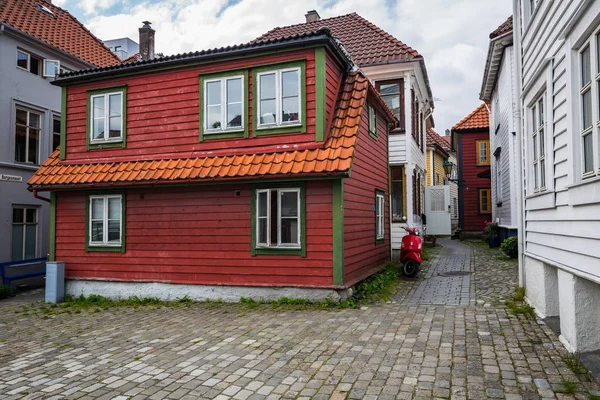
point(196, 235)
point(471, 218)
point(369, 172)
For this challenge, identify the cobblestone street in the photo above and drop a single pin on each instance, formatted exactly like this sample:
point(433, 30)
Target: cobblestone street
point(439, 337)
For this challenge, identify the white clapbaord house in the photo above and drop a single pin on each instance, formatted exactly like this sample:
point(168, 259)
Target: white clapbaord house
point(499, 88)
point(558, 78)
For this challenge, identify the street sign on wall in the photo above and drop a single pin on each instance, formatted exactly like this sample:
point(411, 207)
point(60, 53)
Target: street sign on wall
point(10, 178)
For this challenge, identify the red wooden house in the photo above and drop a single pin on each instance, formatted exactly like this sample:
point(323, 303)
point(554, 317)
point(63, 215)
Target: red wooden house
point(471, 140)
point(254, 170)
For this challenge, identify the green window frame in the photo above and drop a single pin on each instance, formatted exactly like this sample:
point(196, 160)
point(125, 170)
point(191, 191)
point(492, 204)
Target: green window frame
point(279, 127)
point(104, 245)
point(274, 227)
point(372, 122)
point(223, 77)
point(105, 93)
point(379, 216)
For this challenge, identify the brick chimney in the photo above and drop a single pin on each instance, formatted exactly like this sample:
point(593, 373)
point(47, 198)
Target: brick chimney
point(312, 16)
point(146, 41)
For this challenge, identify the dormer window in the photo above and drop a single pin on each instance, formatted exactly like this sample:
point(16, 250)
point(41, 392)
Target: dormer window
point(45, 10)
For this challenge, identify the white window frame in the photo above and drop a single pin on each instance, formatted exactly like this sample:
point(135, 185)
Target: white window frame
point(27, 127)
point(263, 245)
point(24, 224)
point(106, 117)
point(56, 71)
point(105, 242)
point(593, 87)
point(224, 103)
point(379, 216)
point(498, 167)
point(278, 99)
point(538, 143)
point(372, 121)
point(55, 117)
point(28, 60)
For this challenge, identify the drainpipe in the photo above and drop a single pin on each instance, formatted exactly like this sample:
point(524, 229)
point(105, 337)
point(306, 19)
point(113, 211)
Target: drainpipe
point(519, 140)
point(37, 196)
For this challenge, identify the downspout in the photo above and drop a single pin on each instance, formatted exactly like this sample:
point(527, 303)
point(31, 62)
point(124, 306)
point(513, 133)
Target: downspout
point(519, 141)
point(37, 196)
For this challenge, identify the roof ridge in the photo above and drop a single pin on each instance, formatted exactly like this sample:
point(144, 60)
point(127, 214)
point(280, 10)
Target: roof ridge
point(468, 117)
point(391, 38)
point(301, 23)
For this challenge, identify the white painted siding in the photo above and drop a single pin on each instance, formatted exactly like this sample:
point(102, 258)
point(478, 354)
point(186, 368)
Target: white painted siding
point(556, 229)
point(398, 149)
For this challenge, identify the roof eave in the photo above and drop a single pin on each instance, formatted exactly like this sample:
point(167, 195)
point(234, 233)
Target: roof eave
point(143, 66)
point(492, 65)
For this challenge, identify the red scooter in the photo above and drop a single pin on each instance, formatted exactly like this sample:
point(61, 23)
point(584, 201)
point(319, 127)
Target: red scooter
point(410, 252)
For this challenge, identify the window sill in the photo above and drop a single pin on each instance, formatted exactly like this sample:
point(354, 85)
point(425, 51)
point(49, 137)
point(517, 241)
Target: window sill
point(279, 129)
point(223, 135)
point(21, 165)
point(106, 145)
point(105, 249)
point(380, 241)
point(287, 251)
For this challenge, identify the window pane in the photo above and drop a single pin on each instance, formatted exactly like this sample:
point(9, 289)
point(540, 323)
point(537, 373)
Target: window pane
point(542, 144)
point(588, 153)
point(56, 126)
point(34, 65)
point(114, 208)
point(17, 242)
point(98, 104)
point(234, 90)
point(393, 102)
point(213, 93)
point(262, 230)
point(97, 231)
point(267, 86)
point(20, 144)
point(389, 88)
point(289, 83)
point(586, 73)
point(98, 132)
point(34, 120)
point(289, 231)
point(22, 59)
point(535, 176)
point(541, 111)
point(97, 208)
point(114, 231)
point(18, 215)
point(55, 141)
point(115, 105)
point(290, 109)
point(34, 135)
point(30, 239)
point(30, 214)
point(397, 200)
point(115, 127)
point(535, 148)
point(213, 119)
point(267, 111)
point(289, 204)
point(262, 204)
point(21, 117)
point(543, 173)
point(234, 115)
point(533, 118)
point(586, 99)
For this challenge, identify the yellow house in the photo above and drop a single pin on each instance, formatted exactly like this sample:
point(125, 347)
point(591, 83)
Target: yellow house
point(437, 154)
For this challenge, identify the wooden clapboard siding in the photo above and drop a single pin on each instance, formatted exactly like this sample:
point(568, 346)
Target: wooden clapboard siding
point(196, 235)
point(333, 80)
point(472, 219)
point(163, 112)
point(362, 255)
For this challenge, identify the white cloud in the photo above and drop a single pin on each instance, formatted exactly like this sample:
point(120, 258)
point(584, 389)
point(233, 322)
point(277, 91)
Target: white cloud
point(59, 3)
point(452, 35)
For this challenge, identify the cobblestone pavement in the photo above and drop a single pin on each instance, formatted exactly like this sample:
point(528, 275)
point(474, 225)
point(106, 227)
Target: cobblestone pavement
point(219, 351)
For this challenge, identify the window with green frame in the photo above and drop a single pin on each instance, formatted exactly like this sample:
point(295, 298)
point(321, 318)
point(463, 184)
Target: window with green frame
point(105, 222)
point(106, 117)
point(278, 220)
point(224, 105)
point(279, 98)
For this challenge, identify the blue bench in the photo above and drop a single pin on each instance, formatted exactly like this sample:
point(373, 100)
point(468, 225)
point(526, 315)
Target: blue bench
point(6, 280)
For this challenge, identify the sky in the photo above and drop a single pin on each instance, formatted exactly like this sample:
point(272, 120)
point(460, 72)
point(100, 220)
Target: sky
point(452, 35)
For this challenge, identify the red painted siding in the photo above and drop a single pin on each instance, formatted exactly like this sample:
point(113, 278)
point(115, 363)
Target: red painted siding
point(196, 235)
point(472, 219)
point(369, 172)
point(163, 113)
point(333, 82)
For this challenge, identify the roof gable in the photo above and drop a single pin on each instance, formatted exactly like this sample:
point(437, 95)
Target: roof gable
point(367, 43)
point(478, 119)
point(62, 30)
point(507, 26)
point(435, 140)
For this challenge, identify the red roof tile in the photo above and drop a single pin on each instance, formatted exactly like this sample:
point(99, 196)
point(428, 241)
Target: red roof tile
point(507, 26)
point(478, 119)
point(334, 157)
point(433, 139)
point(62, 30)
point(366, 43)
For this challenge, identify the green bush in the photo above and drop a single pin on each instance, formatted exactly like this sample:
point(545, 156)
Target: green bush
point(510, 247)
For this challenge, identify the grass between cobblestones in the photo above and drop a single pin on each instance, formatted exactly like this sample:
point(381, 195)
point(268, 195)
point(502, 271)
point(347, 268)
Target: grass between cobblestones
point(518, 305)
point(378, 287)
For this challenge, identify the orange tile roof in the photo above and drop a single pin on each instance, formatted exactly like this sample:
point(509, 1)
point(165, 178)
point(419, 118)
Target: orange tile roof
point(433, 139)
point(507, 26)
point(335, 157)
point(62, 30)
point(367, 43)
point(478, 119)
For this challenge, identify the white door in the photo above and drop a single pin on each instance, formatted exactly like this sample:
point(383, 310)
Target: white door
point(437, 210)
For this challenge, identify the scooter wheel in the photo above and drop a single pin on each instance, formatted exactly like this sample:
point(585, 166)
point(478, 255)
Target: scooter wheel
point(410, 268)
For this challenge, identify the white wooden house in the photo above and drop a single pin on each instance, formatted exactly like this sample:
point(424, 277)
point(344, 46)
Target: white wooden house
point(499, 89)
point(558, 81)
